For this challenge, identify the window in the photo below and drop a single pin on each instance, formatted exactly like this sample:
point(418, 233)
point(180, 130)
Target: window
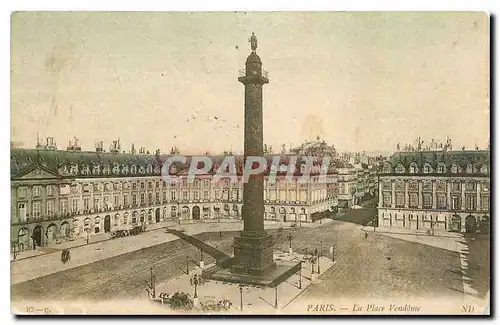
point(134, 218)
point(63, 205)
point(196, 195)
point(134, 199)
point(205, 195)
point(185, 195)
point(184, 182)
point(455, 187)
point(142, 198)
point(469, 169)
point(86, 203)
point(150, 185)
point(235, 195)
point(485, 187)
point(157, 197)
point(150, 198)
point(117, 201)
point(427, 169)
point(454, 168)
point(385, 186)
point(49, 190)
point(142, 185)
point(400, 169)
point(427, 200)
point(22, 211)
point(96, 203)
point(36, 190)
point(36, 209)
point(134, 186)
point(217, 194)
point(470, 202)
point(441, 201)
point(427, 186)
point(413, 168)
point(172, 195)
point(125, 200)
point(206, 182)
point(455, 202)
point(106, 201)
point(441, 168)
point(484, 169)
point(125, 219)
point(50, 207)
point(400, 186)
point(74, 205)
point(400, 200)
point(164, 196)
point(157, 184)
point(386, 199)
point(440, 186)
point(413, 200)
point(485, 202)
point(470, 186)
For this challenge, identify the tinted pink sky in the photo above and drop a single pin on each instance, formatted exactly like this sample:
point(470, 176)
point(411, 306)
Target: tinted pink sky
point(362, 81)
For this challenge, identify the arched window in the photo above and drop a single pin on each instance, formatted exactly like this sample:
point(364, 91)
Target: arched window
point(454, 168)
point(413, 168)
point(469, 168)
point(427, 168)
point(484, 169)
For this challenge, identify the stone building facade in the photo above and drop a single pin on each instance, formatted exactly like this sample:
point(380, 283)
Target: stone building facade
point(60, 195)
point(436, 191)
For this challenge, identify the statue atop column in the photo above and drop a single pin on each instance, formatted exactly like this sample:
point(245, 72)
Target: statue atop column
point(253, 42)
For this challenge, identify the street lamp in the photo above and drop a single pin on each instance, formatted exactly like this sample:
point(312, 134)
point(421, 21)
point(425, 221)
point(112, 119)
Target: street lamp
point(317, 258)
point(241, 298)
point(290, 237)
point(195, 281)
point(332, 252)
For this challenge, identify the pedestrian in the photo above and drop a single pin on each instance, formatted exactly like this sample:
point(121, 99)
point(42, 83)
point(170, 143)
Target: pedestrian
point(34, 242)
point(366, 235)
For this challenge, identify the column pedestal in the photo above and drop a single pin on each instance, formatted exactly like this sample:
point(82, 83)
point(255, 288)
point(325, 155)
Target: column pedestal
point(253, 255)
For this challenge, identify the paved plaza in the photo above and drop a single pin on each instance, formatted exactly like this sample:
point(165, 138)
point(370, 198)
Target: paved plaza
point(373, 266)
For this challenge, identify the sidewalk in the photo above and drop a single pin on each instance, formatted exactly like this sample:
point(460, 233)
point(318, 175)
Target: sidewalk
point(80, 241)
point(403, 231)
point(45, 262)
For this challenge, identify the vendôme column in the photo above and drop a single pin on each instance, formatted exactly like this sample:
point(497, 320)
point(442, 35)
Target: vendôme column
point(253, 250)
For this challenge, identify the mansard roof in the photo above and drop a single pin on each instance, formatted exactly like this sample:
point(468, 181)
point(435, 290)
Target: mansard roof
point(461, 159)
point(61, 162)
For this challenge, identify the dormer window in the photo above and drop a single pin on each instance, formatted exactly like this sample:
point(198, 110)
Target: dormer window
point(106, 169)
point(413, 168)
point(469, 169)
point(400, 169)
point(133, 169)
point(484, 169)
point(441, 168)
point(427, 168)
point(149, 169)
point(387, 168)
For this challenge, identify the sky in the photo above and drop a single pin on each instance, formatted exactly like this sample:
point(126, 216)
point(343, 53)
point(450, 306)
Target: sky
point(360, 81)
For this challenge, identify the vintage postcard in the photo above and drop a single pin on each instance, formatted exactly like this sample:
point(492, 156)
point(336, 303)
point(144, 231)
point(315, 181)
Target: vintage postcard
point(250, 163)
